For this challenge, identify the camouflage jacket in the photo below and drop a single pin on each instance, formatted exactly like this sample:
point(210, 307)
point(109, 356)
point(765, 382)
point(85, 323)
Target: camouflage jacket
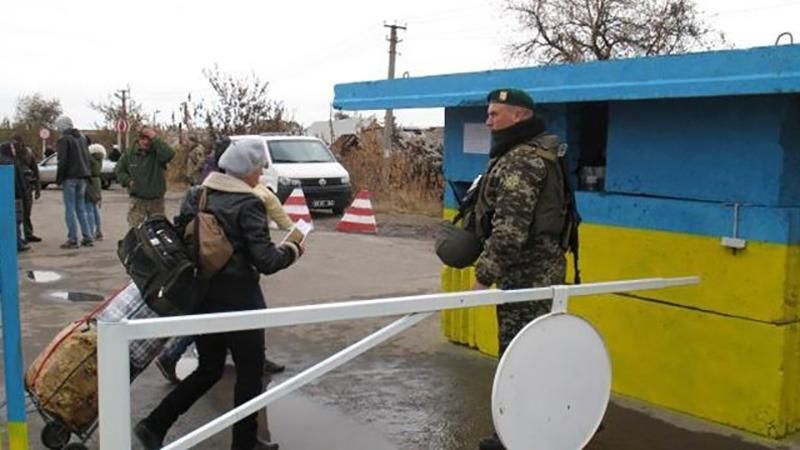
point(511, 257)
point(194, 164)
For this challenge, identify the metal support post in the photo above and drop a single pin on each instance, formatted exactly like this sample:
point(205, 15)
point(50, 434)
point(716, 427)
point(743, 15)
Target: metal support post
point(113, 370)
point(560, 298)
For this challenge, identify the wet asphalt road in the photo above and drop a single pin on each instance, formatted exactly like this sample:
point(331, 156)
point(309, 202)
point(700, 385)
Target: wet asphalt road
point(415, 392)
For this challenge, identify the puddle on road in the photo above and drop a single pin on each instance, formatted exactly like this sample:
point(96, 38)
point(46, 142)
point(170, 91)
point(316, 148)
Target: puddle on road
point(44, 276)
point(75, 296)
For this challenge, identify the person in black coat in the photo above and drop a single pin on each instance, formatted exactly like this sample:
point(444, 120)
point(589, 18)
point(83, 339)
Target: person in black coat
point(30, 170)
point(7, 159)
point(234, 288)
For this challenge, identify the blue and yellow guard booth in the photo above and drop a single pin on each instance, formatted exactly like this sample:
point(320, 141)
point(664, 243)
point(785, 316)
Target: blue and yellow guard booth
point(684, 165)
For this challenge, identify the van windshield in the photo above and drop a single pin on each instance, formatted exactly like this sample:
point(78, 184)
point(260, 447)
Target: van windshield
point(299, 151)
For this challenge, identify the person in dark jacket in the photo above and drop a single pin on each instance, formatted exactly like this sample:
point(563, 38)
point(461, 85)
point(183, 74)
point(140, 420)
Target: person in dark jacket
point(30, 171)
point(94, 193)
point(234, 288)
point(73, 175)
point(7, 159)
point(142, 169)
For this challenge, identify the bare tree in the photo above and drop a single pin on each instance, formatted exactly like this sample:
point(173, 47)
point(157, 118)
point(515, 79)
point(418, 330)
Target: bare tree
point(111, 110)
point(36, 111)
point(557, 31)
point(243, 106)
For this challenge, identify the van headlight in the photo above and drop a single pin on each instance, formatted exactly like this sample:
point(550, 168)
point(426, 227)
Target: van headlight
point(286, 181)
point(346, 179)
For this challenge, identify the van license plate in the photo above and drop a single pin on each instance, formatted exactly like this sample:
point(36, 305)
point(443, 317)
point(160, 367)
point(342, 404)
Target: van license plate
point(321, 203)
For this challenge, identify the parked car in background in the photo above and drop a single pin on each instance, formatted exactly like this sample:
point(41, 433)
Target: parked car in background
point(49, 166)
point(302, 161)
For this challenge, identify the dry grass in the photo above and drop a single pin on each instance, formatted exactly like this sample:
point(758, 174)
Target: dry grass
point(401, 186)
point(177, 179)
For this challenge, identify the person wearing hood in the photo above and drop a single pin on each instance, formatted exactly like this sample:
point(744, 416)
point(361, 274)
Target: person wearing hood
point(73, 174)
point(235, 287)
point(142, 169)
point(94, 193)
point(7, 159)
point(520, 213)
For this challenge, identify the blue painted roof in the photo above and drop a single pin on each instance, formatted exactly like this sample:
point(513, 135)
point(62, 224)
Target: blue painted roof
point(764, 70)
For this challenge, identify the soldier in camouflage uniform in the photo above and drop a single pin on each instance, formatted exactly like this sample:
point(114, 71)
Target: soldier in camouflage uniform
point(520, 211)
point(195, 160)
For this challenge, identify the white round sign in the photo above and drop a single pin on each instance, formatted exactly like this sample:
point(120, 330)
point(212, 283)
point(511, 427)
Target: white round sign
point(552, 385)
point(44, 134)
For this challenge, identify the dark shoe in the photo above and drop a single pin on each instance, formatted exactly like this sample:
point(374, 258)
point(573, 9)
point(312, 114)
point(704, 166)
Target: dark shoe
point(87, 243)
point(260, 445)
point(273, 367)
point(98, 236)
point(69, 245)
point(23, 247)
point(33, 238)
point(150, 439)
point(491, 443)
point(167, 368)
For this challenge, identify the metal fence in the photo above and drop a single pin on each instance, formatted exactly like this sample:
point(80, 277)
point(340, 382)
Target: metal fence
point(114, 337)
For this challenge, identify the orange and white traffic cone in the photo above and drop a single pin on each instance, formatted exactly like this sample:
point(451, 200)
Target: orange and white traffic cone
point(296, 207)
point(359, 217)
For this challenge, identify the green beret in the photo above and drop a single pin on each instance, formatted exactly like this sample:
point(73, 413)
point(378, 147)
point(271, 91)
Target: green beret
point(513, 97)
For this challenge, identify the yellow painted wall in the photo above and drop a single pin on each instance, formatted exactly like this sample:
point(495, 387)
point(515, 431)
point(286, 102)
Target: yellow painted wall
point(759, 283)
point(727, 350)
point(726, 369)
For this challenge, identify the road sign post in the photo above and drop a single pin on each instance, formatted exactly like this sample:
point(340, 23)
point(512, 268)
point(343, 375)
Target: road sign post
point(44, 135)
point(122, 128)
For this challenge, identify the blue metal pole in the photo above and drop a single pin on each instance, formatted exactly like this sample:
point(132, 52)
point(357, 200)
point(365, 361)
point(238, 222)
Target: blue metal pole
point(9, 295)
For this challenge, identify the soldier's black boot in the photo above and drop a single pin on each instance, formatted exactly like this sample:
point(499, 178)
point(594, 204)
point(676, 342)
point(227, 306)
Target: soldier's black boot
point(491, 443)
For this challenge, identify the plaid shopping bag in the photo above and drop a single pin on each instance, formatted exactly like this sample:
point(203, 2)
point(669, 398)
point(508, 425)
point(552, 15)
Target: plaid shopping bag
point(129, 304)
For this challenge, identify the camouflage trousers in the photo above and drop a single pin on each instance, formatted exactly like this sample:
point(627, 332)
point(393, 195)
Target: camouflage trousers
point(512, 318)
point(140, 209)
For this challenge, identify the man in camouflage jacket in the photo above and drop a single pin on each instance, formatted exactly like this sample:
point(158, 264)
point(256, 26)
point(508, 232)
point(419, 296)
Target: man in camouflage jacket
point(523, 183)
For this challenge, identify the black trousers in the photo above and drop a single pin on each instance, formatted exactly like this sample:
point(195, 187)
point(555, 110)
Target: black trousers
point(27, 208)
point(247, 349)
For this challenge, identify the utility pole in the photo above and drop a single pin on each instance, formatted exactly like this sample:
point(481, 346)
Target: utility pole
point(388, 123)
point(123, 94)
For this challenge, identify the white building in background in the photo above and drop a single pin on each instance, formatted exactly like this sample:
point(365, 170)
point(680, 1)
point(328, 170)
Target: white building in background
point(323, 128)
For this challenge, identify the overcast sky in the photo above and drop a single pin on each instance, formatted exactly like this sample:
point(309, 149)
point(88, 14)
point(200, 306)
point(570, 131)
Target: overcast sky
point(83, 50)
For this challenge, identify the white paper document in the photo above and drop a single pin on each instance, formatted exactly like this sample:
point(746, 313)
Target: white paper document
point(299, 232)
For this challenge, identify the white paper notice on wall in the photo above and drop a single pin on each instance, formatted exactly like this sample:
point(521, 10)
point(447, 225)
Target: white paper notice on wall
point(477, 138)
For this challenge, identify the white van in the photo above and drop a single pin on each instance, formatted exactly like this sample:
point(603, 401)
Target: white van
point(302, 161)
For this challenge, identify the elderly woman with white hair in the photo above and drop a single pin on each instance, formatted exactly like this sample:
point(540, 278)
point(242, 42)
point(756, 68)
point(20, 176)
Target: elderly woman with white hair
point(94, 191)
point(235, 287)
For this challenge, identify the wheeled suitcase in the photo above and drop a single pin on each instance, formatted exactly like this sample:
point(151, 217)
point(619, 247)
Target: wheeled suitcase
point(62, 381)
